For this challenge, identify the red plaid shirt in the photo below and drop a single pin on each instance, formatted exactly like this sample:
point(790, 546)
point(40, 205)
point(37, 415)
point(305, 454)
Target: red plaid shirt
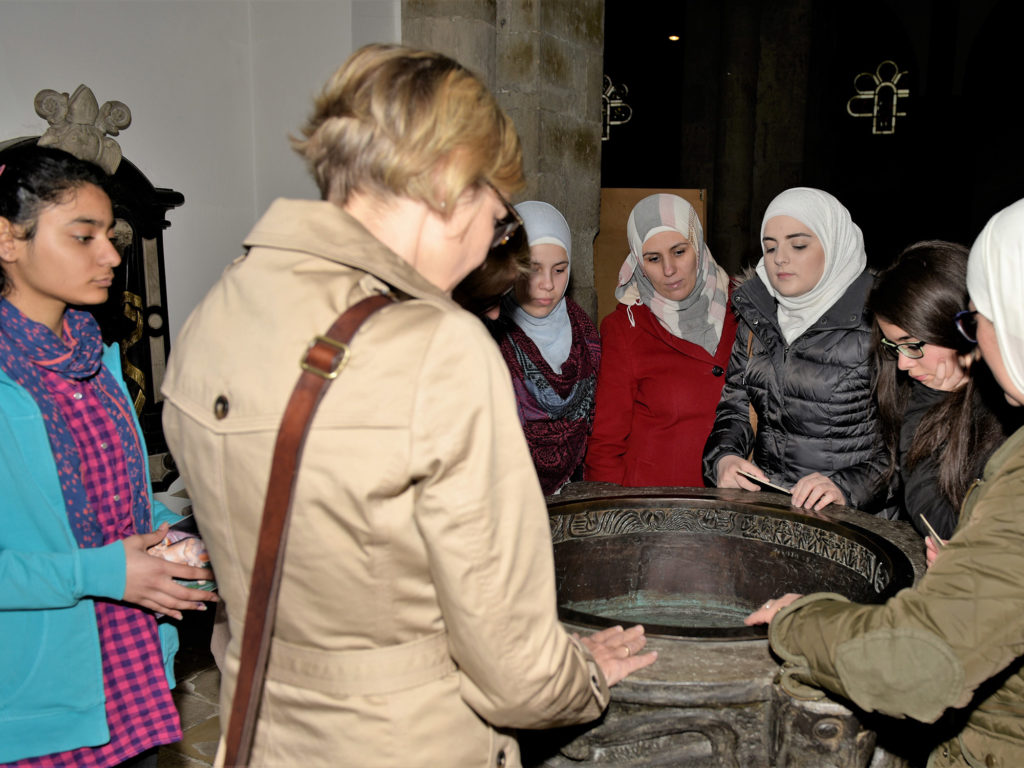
point(140, 710)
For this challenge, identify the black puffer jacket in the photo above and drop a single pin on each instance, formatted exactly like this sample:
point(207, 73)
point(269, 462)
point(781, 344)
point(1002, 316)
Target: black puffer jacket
point(813, 398)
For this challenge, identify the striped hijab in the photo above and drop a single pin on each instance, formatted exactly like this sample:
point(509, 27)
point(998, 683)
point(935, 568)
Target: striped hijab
point(700, 316)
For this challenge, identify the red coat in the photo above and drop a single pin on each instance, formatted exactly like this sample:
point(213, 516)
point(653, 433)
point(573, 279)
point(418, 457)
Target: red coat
point(656, 400)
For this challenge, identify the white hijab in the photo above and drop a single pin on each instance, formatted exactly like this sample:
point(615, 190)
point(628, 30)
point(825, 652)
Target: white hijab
point(699, 317)
point(845, 258)
point(995, 282)
point(552, 334)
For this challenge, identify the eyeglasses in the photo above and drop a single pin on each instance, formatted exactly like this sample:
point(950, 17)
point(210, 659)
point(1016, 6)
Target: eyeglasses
point(967, 323)
point(911, 349)
point(507, 226)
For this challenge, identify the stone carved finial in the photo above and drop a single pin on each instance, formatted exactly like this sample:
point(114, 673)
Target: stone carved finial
point(78, 125)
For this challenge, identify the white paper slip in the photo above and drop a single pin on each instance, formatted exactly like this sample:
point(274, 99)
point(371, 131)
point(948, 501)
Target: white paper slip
point(936, 539)
point(765, 483)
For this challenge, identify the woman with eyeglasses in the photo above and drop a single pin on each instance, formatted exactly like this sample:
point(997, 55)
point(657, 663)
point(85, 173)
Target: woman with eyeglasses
point(948, 651)
point(417, 622)
point(797, 407)
point(552, 350)
point(941, 421)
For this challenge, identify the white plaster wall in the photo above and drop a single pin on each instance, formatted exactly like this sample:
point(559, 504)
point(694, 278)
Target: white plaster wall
point(214, 87)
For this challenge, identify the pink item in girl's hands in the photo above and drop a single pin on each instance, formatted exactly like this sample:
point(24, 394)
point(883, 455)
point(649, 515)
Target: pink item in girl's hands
point(187, 549)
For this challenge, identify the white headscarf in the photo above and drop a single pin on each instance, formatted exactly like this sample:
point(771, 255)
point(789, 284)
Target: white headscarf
point(995, 282)
point(552, 334)
point(845, 258)
point(700, 316)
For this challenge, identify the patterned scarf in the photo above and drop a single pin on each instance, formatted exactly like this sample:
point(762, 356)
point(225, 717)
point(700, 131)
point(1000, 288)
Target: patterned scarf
point(555, 409)
point(27, 346)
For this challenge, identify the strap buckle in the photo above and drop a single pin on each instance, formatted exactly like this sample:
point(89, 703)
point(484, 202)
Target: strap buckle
point(339, 358)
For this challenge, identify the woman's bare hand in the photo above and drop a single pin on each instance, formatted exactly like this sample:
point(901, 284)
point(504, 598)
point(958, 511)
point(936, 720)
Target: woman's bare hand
point(949, 376)
point(149, 581)
point(931, 551)
point(768, 611)
point(815, 491)
point(727, 473)
point(617, 651)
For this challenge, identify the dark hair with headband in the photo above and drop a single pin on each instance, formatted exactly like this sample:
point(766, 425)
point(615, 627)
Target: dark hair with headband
point(34, 178)
point(921, 292)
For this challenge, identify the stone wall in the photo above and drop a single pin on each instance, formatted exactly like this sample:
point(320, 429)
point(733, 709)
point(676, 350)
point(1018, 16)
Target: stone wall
point(544, 61)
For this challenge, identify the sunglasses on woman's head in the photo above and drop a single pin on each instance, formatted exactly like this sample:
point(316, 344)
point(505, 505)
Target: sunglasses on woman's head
point(509, 223)
point(911, 349)
point(967, 323)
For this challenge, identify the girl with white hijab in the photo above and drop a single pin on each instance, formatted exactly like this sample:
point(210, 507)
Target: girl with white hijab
point(552, 351)
point(953, 641)
point(665, 349)
point(801, 366)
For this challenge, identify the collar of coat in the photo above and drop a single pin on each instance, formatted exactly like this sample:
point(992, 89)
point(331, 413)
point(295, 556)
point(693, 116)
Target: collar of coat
point(645, 321)
point(323, 229)
point(752, 301)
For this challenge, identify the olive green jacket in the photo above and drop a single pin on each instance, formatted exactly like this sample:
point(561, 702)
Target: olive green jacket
point(932, 647)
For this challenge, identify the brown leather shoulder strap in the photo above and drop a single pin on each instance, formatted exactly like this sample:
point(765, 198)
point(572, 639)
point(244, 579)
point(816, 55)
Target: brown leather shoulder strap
point(323, 361)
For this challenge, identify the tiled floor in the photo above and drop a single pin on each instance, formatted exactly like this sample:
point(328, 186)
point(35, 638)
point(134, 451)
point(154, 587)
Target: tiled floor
point(197, 698)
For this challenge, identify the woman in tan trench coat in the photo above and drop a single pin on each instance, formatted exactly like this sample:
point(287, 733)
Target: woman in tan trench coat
point(416, 622)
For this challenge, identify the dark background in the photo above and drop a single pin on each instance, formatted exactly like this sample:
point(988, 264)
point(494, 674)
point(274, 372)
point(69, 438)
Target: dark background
point(752, 100)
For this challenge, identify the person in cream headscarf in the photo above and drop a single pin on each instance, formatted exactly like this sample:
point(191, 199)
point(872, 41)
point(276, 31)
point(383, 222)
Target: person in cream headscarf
point(948, 651)
point(665, 349)
point(552, 351)
point(802, 361)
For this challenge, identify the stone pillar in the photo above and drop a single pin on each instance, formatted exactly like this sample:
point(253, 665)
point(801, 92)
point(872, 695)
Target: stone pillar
point(462, 29)
point(544, 61)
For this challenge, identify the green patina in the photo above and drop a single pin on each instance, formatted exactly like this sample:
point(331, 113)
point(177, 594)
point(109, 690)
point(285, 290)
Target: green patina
point(670, 610)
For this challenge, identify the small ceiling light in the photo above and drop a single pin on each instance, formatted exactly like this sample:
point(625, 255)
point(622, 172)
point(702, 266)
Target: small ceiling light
point(674, 38)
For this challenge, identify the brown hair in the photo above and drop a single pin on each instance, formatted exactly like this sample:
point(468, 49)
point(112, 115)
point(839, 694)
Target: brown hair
point(34, 178)
point(483, 288)
point(395, 120)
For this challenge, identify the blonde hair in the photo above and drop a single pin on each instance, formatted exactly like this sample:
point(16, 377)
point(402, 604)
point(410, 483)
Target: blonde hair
point(394, 120)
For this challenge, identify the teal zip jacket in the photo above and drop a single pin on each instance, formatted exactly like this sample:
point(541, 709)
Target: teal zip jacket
point(51, 674)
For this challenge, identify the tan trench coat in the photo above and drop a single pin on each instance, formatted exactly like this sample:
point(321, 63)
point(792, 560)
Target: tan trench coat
point(956, 640)
point(417, 622)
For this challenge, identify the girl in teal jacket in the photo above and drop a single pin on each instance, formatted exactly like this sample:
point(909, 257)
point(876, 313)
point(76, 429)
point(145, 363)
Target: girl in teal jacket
point(84, 665)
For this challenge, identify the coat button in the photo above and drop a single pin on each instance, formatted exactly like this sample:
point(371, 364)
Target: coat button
point(990, 761)
point(220, 407)
point(945, 752)
point(717, 370)
point(501, 759)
